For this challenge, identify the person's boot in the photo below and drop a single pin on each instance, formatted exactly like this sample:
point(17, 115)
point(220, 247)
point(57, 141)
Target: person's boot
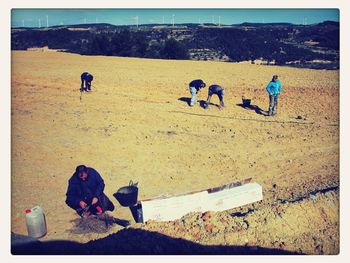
point(85, 214)
point(99, 210)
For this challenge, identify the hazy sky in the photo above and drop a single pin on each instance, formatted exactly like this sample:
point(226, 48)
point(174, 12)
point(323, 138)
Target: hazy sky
point(38, 17)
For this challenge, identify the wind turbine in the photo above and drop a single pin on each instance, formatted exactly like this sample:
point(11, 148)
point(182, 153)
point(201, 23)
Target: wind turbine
point(219, 21)
point(173, 20)
point(305, 21)
point(22, 22)
point(39, 23)
point(47, 21)
point(136, 21)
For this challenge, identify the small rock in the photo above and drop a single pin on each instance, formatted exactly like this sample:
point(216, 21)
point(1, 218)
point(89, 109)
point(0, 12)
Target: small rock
point(246, 224)
point(206, 216)
point(313, 197)
point(209, 228)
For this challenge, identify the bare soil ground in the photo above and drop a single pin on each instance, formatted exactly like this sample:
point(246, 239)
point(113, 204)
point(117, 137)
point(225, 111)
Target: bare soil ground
point(136, 125)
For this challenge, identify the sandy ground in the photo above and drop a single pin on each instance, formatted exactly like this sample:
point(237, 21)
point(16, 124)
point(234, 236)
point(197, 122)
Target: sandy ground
point(136, 125)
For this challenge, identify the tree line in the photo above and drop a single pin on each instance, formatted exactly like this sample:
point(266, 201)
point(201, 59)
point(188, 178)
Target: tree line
point(279, 43)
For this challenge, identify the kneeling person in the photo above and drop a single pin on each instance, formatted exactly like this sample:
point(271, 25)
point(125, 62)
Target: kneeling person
point(219, 91)
point(85, 192)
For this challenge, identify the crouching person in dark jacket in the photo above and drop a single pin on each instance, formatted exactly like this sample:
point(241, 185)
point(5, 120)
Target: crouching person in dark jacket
point(85, 192)
point(219, 91)
point(86, 79)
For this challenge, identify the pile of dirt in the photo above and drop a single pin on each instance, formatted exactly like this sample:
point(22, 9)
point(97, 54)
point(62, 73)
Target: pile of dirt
point(270, 226)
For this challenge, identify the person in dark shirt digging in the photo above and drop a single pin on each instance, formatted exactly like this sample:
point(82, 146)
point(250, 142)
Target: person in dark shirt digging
point(85, 192)
point(195, 86)
point(219, 91)
point(86, 79)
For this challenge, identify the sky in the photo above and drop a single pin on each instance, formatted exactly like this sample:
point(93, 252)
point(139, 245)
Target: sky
point(51, 17)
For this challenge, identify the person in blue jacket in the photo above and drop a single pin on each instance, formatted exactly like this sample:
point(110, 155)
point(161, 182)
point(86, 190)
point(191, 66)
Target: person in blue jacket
point(274, 88)
point(195, 86)
point(86, 79)
point(85, 192)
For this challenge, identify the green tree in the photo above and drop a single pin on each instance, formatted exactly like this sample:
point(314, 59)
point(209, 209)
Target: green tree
point(174, 50)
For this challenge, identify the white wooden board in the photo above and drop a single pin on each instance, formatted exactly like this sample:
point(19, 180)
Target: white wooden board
point(172, 208)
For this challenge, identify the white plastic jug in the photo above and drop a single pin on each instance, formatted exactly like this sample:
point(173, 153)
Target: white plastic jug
point(35, 221)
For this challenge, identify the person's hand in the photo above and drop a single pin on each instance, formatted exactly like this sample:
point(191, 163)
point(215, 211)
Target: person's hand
point(82, 204)
point(94, 200)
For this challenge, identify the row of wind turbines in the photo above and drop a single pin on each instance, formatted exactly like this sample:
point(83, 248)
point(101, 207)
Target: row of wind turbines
point(136, 19)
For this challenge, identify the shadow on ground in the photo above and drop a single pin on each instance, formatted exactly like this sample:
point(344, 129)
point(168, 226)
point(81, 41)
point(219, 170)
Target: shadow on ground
point(202, 103)
point(132, 242)
point(185, 99)
point(255, 108)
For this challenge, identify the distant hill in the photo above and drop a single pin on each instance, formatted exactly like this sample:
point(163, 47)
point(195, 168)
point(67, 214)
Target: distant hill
point(312, 46)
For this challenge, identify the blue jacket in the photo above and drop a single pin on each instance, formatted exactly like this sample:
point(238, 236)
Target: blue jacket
point(78, 189)
point(87, 77)
point(274, 88)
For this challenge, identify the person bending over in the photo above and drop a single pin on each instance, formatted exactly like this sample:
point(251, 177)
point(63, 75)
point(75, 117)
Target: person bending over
point(86, 79)
point(195, 86)
point(219, 91)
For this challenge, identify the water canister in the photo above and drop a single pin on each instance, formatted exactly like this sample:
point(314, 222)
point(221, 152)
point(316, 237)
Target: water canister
point(35, 221)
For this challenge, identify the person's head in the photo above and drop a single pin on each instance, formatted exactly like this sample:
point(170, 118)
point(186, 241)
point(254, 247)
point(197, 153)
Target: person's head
point(274, 78)
point(81, 172)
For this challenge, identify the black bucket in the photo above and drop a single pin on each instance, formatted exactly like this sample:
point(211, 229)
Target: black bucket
point(246, 102)
point(127, 195)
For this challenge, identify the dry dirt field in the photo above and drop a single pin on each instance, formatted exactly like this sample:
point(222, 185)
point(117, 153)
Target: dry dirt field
point(136, 125)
